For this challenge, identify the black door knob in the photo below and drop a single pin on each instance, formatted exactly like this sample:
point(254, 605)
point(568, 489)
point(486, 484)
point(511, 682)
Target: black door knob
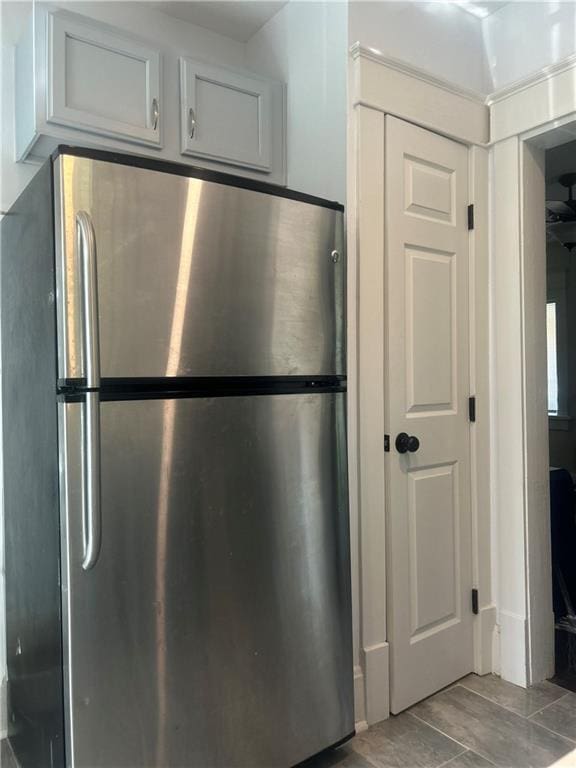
point(406, 443)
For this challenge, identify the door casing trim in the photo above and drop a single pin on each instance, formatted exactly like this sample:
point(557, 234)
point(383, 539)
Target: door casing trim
point(366, 337)
point(538, 112)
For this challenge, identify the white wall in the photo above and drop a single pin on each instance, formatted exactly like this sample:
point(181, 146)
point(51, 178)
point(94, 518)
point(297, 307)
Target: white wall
point(438, 37)
point(524, 37)
point(305, 45)
point(13, 176)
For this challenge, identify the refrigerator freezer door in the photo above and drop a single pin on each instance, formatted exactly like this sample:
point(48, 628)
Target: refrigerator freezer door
point(215, 626)
point(197, 278)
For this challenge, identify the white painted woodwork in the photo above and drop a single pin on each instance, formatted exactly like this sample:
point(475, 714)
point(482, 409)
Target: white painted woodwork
point(226, 115)
point(399, 89)
point(547, 96)
point(509, 468)
point(520, 424)
point(521, 427)
point(480, 448)
point(366, 237)
point(370, 350)
point(352, 417)
point(536, 112)
point(102, 82)
point(539, 575)
point(427, 385)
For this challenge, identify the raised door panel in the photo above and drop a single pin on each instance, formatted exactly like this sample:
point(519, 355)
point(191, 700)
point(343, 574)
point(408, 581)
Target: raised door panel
point(430, 331)
point(434, 578)
point(102, 82)
point(225, 115)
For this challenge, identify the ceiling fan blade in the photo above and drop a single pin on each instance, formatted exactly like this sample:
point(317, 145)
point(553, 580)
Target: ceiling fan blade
point(557, 210)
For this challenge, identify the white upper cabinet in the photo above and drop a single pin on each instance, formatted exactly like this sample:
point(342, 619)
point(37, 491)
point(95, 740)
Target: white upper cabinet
point(74, 74)
point(83, 81)
point(102, 82)
point(226, 115)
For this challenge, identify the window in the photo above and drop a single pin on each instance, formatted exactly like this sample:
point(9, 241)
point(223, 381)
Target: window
point(551, 329)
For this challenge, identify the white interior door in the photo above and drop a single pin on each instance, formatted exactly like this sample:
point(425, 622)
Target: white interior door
point(429, 513)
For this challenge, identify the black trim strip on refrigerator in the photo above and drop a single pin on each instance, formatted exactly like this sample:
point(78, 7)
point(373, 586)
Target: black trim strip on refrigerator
point(73, 390)
point(194, 172)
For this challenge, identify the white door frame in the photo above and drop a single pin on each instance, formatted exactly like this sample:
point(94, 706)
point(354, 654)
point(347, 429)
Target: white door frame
point(526, 119)
point(380, 86)
point(512, 558)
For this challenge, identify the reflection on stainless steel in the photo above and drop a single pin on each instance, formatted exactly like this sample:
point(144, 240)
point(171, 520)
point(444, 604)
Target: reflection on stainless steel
point(255, 586)
point(174, 354)
point(30, 492)
point(261, 288)
point(197, 611)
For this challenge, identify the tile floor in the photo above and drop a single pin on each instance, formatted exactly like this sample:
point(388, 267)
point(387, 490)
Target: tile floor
point(477, 723)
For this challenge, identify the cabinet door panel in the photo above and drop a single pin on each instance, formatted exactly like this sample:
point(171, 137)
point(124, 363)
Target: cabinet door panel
point(226, 116)
point(102, 82)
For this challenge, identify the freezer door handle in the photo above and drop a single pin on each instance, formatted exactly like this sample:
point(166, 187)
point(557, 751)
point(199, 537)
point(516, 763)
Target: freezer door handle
point(87, 256)
point(92, 518)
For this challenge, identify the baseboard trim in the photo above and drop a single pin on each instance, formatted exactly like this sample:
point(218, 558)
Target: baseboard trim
point(377, 682)
point(513, 635)
point(483, 640)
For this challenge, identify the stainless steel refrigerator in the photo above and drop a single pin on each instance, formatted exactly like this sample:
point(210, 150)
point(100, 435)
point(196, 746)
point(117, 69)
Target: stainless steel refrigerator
point(177, 544)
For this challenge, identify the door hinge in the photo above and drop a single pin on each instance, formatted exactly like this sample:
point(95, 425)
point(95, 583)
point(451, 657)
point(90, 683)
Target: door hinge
point(475, 601)
point(386, 443)
point(472, 409)
point(470, 217)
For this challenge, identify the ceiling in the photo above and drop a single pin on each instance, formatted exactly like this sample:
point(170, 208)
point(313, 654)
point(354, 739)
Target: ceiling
point(238, 19)
point(480, 9)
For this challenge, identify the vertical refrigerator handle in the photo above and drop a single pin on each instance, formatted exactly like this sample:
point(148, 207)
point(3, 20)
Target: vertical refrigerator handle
point(92, 521)
point(87, 254)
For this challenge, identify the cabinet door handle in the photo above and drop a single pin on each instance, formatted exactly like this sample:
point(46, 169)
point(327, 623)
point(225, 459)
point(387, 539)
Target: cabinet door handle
point(155, 114)
point(191, 123)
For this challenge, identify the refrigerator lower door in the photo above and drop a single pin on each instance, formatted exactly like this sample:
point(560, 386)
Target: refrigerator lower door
point(215, 627)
